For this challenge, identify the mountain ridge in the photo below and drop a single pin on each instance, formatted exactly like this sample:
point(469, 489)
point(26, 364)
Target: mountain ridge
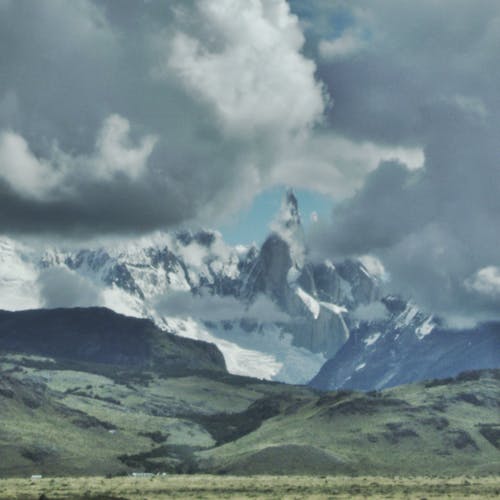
point(324, 308)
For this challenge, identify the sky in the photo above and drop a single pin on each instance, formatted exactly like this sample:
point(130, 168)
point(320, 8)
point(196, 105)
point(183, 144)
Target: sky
point(122, 118)
point(253, 224)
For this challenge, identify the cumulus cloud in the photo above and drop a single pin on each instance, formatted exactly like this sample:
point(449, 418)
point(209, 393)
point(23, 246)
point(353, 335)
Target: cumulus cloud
point(62, 174)
point(125, 117)
point(142, 116)
point(427, 79)
point(22, 170)
point(486, 281)
point(246, 63)
point(145, 115)
point(216, 308)
point(61, 287)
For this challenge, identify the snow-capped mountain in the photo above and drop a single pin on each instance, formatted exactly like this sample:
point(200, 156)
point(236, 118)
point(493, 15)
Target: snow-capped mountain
point(406, 347)
point(289, 314)
point(272, 312)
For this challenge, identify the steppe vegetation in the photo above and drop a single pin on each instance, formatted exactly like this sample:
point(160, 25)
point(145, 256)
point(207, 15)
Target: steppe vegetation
point(213, 486)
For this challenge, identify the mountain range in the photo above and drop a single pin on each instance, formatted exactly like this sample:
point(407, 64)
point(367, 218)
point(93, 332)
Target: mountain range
point(91, 392)
point(274, 312)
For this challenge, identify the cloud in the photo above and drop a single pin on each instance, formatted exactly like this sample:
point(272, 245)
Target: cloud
point(148, 115)
point(246, 63)
point(486, 281)
point(61, 287)
point(61, 175)
point(336, 165)
point(21, 170)
point(374, 311)
point(145, 115)
point(216, 308)
point(426, 80)
point(346, 45)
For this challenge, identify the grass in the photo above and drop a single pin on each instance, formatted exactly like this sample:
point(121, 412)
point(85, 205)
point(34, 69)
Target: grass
point(208, 487)
point(68, 422)
point(407, 430)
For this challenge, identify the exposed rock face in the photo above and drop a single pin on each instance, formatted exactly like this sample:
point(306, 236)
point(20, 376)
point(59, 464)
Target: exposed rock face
point(318, 302)
point(390, 353)
point(282, 273)
point(131, 278)
point(269, 273)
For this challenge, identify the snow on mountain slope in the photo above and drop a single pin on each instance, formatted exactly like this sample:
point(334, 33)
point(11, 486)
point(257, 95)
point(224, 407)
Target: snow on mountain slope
point(311, 303)
point(132, 275)
point(315, 301)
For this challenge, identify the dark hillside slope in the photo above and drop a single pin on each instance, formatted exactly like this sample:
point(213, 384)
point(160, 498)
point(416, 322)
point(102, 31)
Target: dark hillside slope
point(99, 335)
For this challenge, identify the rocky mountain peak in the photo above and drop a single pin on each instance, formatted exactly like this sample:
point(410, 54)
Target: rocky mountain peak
point(288, 227)
point(290, 209)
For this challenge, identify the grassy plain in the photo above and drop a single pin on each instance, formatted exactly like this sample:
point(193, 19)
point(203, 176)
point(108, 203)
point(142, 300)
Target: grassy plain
point(213, 486)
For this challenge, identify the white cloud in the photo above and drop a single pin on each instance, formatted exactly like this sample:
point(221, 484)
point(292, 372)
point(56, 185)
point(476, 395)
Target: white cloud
point(216, 308)
point(25, 173)
point(250, 67)
point(349, 43)
point(486, 281)
point(57, 176)
point(115, 152)
point(337, 166)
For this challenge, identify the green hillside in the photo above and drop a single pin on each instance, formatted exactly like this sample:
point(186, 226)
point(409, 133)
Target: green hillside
point(90, 392)
point(59, 421)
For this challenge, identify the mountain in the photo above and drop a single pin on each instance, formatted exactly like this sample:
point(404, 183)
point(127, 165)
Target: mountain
point(377, 358)
point(78, 396)
point(273, 312)
point(137, 277)
point(100, 336)
point(89, 391)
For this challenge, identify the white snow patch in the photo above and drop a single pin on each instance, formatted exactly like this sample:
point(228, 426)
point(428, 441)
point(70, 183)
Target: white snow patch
point(239, 361)
point(118, 300)
point(310, 302)
point(266, 352)
point(293, 275)
point(372, 339)
point(407, 316)
point(373, 267)
point(299, 365)
point(425, 328)
point(334, 308)
point(329, 264)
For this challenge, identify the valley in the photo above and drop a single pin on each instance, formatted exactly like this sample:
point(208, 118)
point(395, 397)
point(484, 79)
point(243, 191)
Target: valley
point(74, 412)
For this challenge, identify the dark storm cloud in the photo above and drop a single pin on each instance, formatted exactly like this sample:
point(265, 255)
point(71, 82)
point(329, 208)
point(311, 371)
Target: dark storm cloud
point(409, 55)
point(423, 75)
point(132, 116)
